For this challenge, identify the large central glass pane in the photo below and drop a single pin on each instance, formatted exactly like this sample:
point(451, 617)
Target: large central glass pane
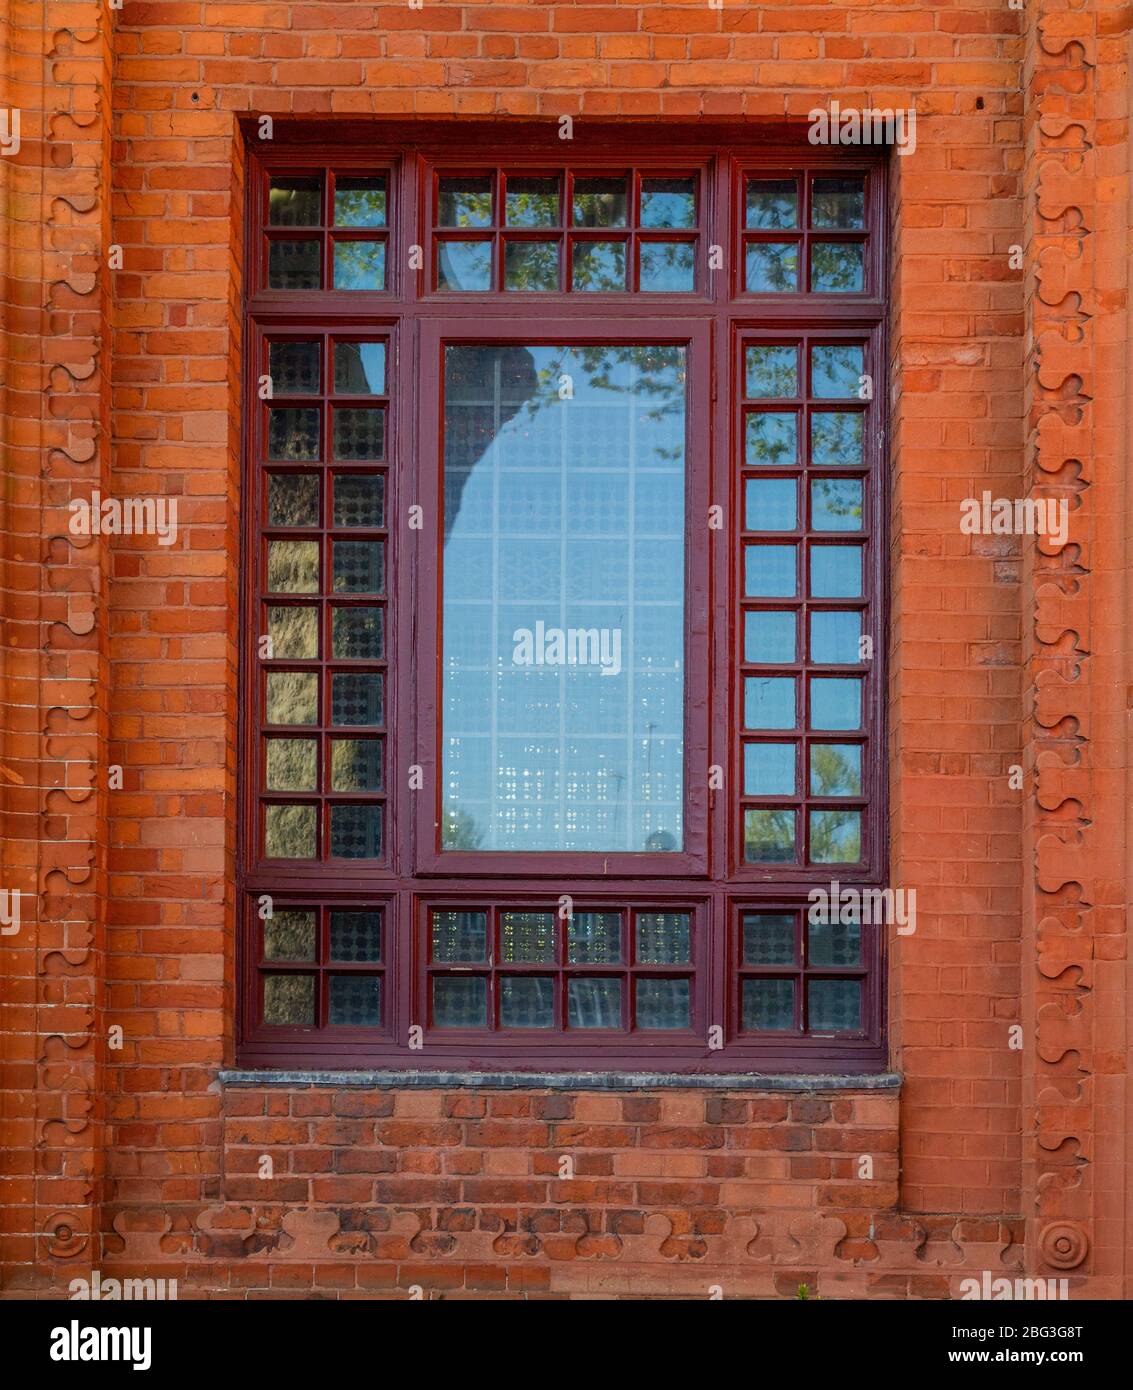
point(563, 596)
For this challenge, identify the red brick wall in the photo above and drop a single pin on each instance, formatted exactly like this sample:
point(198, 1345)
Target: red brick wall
point(123, 653)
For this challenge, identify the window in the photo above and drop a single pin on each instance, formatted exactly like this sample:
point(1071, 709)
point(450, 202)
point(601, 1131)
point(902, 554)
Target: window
point(563, 606)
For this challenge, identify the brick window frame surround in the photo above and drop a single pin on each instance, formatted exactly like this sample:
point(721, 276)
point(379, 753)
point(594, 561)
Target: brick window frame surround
point(346, 953)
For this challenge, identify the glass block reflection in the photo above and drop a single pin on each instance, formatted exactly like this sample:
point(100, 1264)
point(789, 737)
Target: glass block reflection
point(464, 202)
point(359, 265)
point(289, 1000)
point(771, 204)
point(532, 202)
point(662, 938)
point(291, 765)
point(292, 697)
point(835, 837)
point(662, 1004)
point(356, 937)
point(600, 202)
point(293, 567)
point(355, 1000)
point(464, 265)
point(294, 368)
point(767, 1005)
point(668, 203)
point(771, 267)
point(527, 936)
point(290, 831)
point(527, 1001)
point(294, 632)
point(769, 836)
point(836, 438)
point(356, 831)
point(293, 433)
point(459, 936)
point(360, 369)
point(295, 202)
point(667, 266)
point(768, 938)
point(594, 1002)
point(594, 938)
point(356, 698)
point(359, 202)
point(834, 1006)
point(531, 265)
point(769, 637)
point(289, 934)
point(769, 769)
point(836, 370)
point(295, 265)
point(359, 433)
point(357, 632)
point(359, 567)
point(772, 371)
point(836, 769)
point(356, 764)
point(359, 499)
point(837, 203)
point(460, 1001)
point(837, 267)
point(293, 499)
point(834, 943)
point(598, 266)
point(771, 439)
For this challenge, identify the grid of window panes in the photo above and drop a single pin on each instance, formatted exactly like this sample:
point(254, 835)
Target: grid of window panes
point(805, 232)
point(556, 231)
point(804, 600)
point(322, 641)
point(320, 967)
point(800, 970)
point(327, 231)
point(609, 969)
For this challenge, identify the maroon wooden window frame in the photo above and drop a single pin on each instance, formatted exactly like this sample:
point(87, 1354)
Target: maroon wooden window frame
point(717, 967)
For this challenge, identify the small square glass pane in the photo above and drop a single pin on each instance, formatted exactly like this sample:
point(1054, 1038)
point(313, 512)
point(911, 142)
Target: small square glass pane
point(772, 371)
point(594, 938)
point(835, 703)
point(294, 368)
point(594, 1002)
point(837, 267)
point(531, 265)
point(769, 938)
point(356, 765)
point(769, 702)
point(292, 697)
point(770, 504)
point(836, 439)
point(768, 1006)
point(464, 265)
point(835, 571)
point(769, 637)
point(662, 938)
point(835, 638)
point(289, 831)
point(834, 1006)
point(359, 499)
point(357, 632)
point(293, 567)
point(359, 433)
point(836, 370)
point(289, 1000)
point(293, 434)
point(668, 202)
point(356, 830)
point(769, 836)
point(532, 203)
point(527, 936)
point(359, 202)
point(295, 265)
point(460, 1001)
point(661, 1003)
point(359, 264)
point(356, 698)
point(771, 439)
point(291, 764)
point(360, 369)
point(836, 504)
point(834, 943)
point(769, 769)
point(294, 633)
point(293, 499)
point(599, 266)
point(289, 934)
point(459, 936)
point(835, 837)
point(668, 266)
point(838, 203)
point(356, 937)
point(599, 202)
point(527, 1001)
point(771, 267)
point(835, 769)
point(295, 202)
point(465, 202)
point(772, 204)
point(355, 1001)
point(770, 571)
point(359, 567)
